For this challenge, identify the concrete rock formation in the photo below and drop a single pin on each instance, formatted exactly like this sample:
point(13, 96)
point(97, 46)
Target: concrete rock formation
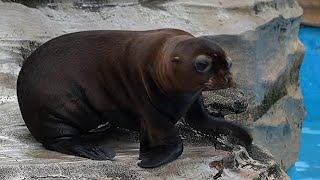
point(261, 37)
point(266, 68)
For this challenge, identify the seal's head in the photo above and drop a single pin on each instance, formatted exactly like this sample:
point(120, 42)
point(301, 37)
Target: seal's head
point(193, 64)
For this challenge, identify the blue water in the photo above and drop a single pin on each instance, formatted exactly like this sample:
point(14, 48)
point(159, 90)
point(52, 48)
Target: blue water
point(308, 165)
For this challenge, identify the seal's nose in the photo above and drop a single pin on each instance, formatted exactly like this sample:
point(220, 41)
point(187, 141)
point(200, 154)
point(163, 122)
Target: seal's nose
point(229, 80)
point(203, 63)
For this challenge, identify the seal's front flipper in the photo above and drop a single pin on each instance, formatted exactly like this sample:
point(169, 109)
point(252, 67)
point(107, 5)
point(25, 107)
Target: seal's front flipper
point(160, 155)
point(160, 142)
point(74, 146)
point(200, 119)
point(153, 155)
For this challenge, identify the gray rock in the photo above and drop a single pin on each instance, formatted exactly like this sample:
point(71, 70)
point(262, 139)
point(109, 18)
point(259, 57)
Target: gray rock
point(225, 101)
point(260, 37)
point(270, 73)
point(280, 129)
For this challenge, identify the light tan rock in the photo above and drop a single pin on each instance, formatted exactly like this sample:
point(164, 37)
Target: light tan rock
point(311, 12)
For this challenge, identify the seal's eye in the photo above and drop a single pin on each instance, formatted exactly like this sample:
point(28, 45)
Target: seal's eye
point(201, 66)
point(203, 63)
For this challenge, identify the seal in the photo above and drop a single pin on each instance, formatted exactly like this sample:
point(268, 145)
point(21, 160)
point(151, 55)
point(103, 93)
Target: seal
point(85, 82)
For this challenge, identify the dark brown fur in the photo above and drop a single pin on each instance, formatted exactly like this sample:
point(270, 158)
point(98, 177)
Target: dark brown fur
point(143, 81)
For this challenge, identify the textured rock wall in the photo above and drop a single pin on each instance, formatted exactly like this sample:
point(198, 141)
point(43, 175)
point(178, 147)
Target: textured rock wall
point(260, 35)
point(267, 63)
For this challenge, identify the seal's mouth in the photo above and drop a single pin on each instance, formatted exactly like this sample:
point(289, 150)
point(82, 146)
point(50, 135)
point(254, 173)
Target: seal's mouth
point(220, 82)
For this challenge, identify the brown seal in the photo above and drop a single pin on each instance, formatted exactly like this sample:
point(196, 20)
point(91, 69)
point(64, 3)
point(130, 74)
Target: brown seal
point(139, 80)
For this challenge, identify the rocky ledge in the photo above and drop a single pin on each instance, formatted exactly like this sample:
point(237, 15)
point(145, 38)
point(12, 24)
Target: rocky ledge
point(204, 157)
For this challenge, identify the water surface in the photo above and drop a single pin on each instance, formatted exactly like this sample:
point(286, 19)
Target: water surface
point(308, 165)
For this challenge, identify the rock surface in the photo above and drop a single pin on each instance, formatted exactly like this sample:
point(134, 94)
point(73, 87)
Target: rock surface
point(267, 69)
point(260, 35)
point(311, 12)
point(21, 157)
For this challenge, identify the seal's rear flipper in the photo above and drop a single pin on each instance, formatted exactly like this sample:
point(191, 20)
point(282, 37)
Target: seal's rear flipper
point(75, 146)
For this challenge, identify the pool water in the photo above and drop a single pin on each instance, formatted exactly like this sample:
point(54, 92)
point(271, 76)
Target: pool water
point(308, 165)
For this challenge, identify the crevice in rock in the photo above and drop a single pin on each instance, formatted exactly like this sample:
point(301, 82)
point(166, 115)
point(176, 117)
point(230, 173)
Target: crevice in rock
point(29, 3)
point(48, 177)
point(279, 88)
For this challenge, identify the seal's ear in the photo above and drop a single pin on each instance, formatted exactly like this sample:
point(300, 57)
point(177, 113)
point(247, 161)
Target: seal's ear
point(176, 59)
point(203, 63)
point(229, 60)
